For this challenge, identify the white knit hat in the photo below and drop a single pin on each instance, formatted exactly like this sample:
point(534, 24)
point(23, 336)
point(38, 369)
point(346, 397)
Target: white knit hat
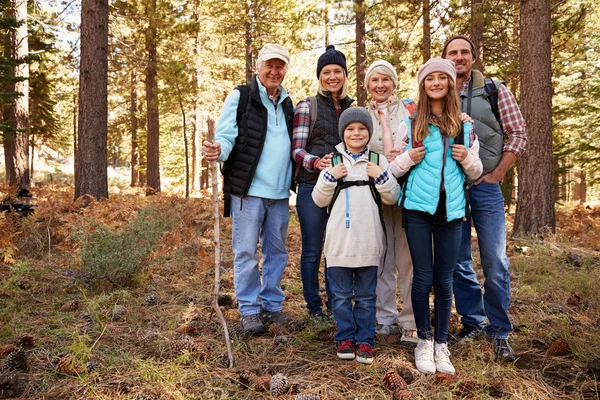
point(385, 68)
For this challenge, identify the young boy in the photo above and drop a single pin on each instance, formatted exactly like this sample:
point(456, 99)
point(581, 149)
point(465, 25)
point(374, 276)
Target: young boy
point(354, 237)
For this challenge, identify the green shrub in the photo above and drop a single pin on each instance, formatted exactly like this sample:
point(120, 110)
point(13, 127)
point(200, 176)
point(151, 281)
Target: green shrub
point(117, 257)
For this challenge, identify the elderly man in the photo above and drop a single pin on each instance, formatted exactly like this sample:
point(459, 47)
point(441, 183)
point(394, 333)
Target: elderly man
point(501, 132)
point(253, 138)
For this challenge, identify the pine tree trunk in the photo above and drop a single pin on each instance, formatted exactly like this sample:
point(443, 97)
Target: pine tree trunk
point(134, 129)
point(535, 206)
point(91, 157)
point(196, 138)
point(153, 128)
point(361, 53)
point(20, 106)
point(249, 39)
point(8, 139)
point(477, 21)
point(426, 31)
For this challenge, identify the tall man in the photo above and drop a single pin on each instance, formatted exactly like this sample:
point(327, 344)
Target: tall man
point(502, 142)
point(253, 138)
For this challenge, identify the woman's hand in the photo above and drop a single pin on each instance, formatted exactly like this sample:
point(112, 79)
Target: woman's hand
point(391, 156)
point(417, 154)
point(324, 162)
point(373, 170)
point(464, 117)
point(459, 152)
point(339, 171)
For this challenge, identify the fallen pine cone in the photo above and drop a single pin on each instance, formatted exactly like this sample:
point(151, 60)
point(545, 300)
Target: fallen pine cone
point(263, 382)
point(279, 384)
point(393, 381)
point(307, 396)
point(401, 394)
point(559, 348)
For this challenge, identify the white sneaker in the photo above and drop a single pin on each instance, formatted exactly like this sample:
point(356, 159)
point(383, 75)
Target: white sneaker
point(424, 356)
point(442, 359)
point(409, 335)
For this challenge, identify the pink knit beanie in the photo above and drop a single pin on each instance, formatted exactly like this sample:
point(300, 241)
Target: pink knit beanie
point(437, 65)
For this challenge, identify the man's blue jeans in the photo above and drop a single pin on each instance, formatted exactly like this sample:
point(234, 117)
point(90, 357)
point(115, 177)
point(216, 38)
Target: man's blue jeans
point(312, 227)
point(354, 323)
point(254, 218)
point(487, 213)
point(432, 267)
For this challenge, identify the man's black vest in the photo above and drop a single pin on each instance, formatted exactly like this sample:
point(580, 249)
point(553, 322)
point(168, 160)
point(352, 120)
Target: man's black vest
point(239, 169)
point(324, 136)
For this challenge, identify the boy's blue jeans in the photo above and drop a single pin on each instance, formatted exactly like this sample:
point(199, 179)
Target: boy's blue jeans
point(312, 227)
point(487, 214)
point(347, 284)
point(267, 219)
point(432, 267)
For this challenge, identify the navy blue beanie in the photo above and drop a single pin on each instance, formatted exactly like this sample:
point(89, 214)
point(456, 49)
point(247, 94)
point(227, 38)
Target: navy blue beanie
point(331, 56)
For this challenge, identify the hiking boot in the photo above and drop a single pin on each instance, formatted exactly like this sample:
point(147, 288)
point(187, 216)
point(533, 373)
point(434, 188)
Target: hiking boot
point(364, 354)
point(345, 350)
point(442, 359)
point(272, 317)
point(467, 332)
point(424, 356)
point(252, 325)
point(503, 351)
point(392, 329)
point(409, 336)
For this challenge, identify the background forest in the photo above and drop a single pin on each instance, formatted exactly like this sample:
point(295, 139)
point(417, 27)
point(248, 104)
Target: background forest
point(106, 290)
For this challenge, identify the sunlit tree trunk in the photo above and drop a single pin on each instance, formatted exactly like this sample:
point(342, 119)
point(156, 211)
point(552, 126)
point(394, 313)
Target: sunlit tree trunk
point(249, 38)
point(535, 205)
point(426, 31)
point(134, 130)
point(361, 52)
point(91, 162)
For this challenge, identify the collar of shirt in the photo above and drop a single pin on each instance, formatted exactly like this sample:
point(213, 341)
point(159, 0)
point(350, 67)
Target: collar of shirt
point(275, 98)
point(357, 156)
point(465, 85)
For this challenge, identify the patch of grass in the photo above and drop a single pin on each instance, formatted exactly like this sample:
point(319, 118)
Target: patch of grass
point(118, 257)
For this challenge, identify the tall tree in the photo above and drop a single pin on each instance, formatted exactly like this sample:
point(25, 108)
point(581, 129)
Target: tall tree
point(477, 19)
point(426, 31)
point(152, 115)
point(361, 52)
point(134, 129)
point(91, 163)
point(18, 141)
point(535, 206)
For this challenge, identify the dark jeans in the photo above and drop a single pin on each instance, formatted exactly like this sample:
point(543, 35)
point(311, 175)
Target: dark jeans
point(433, 267)
point(312, 227)
point(355, 323)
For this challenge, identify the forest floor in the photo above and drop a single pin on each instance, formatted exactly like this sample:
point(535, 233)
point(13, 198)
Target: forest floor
point(111, 299)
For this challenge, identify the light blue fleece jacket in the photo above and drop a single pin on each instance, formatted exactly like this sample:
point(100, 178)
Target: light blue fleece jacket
point(273, 175)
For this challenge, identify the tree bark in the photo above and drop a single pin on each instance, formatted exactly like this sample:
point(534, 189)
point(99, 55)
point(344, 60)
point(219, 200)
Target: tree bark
point(91, 158)
point(477, 22)
point(134, 128)
point(153, 128)
point(535, 206)
point(426, 31)
point(196, 138)
point(361, 53)
point(249, 39)
point(8, 138)
point(20, 106)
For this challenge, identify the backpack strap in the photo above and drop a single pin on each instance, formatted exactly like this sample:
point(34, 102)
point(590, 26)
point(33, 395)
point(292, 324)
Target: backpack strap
point(492, 91)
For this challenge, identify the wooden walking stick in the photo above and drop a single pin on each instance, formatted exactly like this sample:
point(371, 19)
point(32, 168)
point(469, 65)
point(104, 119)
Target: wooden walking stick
point(217, 241)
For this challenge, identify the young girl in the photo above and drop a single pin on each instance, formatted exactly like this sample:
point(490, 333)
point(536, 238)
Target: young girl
point(434, 199)
point(355, 238)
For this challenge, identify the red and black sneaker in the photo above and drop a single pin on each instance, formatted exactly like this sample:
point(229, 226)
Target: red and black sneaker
point(345, 350)
point(364, 354)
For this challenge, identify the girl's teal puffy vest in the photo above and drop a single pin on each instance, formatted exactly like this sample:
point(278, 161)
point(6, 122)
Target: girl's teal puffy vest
point(423, 184)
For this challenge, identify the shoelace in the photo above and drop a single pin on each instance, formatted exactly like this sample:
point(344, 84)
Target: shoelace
point(365, 348)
